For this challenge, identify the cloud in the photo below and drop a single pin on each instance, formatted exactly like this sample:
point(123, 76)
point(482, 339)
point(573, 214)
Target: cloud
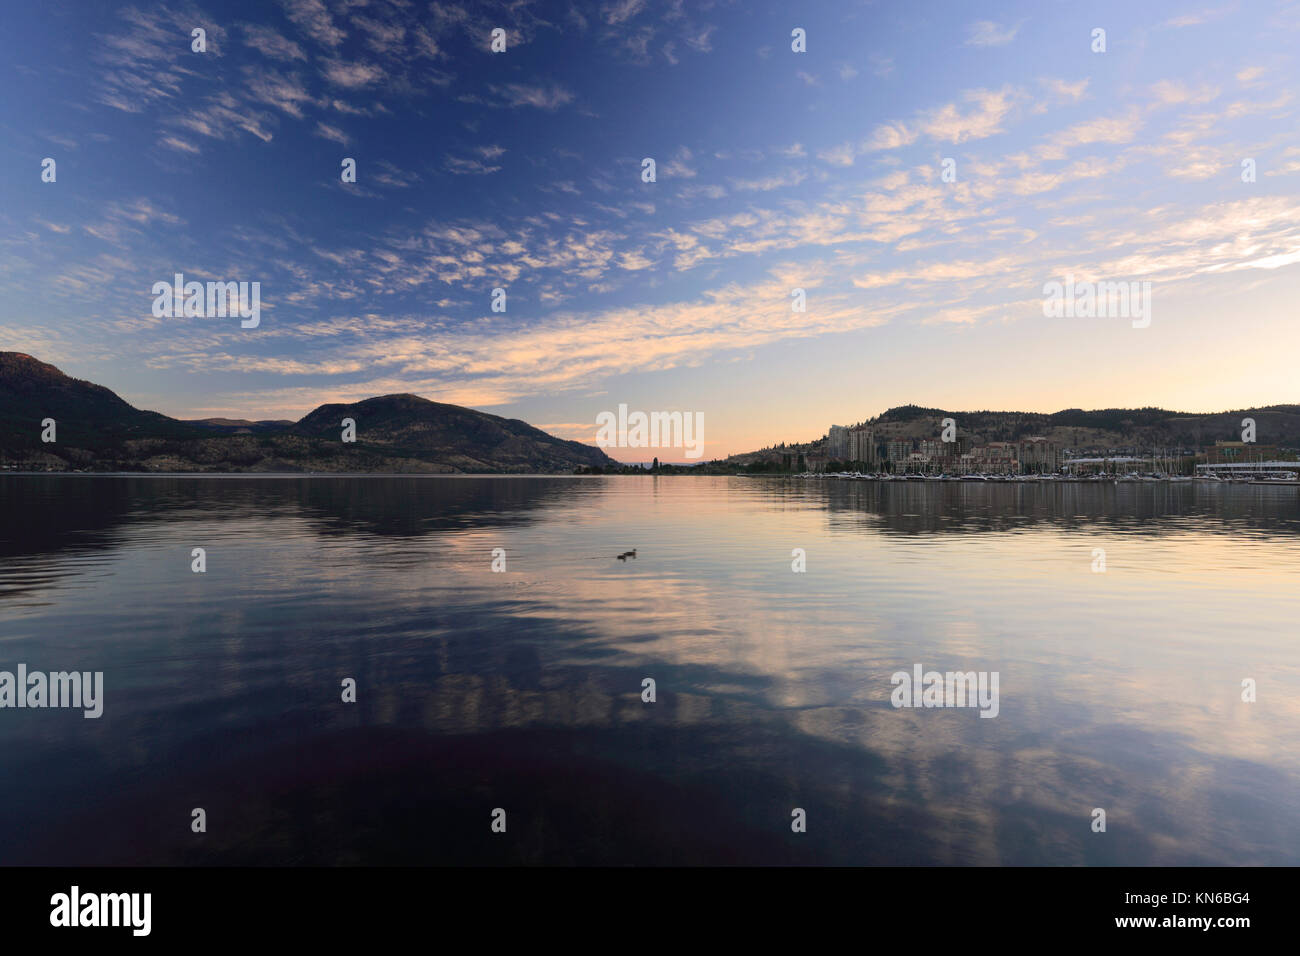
point(765, 184)
point(986, 112)
point(562, 186)
point(142, 63)
point(841, 155)
point(180, 145)
point(314, 20)
point(1061, 91)
point(270, 43)
point(542, 97)
point(1105, 129)
point(987, 33)
point(571, 350)
point(1174, 93)
point(679, 164)
point(1196, 18)
point(1248, 75)
point(701, 41)
point(621, 11)
point(351, 75)
point(129, 216)
point(382, 38)
point(989, 109)
point(285, 93)
point(224, 117)
point(462, 166)
point(325, 131)
point(890, 136)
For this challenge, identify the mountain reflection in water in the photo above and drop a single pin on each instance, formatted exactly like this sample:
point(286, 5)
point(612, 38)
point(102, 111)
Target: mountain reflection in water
point(522, 689)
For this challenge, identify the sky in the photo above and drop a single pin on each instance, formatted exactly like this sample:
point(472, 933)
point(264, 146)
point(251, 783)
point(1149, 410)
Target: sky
point(775, 170)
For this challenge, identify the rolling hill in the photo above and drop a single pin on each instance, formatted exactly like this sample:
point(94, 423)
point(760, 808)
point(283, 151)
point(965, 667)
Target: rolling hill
point(98, 431)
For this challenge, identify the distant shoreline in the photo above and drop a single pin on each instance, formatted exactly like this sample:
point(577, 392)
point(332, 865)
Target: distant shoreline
point(1007, 480)
point(294, 474)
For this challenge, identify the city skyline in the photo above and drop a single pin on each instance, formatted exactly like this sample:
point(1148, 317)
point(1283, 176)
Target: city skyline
point(822, 170)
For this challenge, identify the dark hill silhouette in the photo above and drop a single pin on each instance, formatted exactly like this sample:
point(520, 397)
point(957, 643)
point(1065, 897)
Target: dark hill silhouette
point(98, 430)
point(461, 437)
point(1149, 428)
point(89, 416)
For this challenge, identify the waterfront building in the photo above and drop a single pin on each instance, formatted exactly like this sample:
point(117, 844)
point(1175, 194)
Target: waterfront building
point(1238, 452)
point(862, 445)
point(837, 443)
point(1039, 455)
point(898, 450)
point(995, 458)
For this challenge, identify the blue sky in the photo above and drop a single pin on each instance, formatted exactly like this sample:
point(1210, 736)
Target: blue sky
point(775, 170)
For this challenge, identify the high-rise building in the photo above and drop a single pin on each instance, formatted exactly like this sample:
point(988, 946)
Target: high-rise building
point(862, 445)
point(1039, 455)
point(837, 443)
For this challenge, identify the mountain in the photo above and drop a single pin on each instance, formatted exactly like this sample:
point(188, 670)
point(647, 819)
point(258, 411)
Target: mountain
point(89, 416)
point(96, 430)
point(461, 439)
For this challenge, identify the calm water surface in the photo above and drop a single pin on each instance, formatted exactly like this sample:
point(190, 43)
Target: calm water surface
point(522, 689)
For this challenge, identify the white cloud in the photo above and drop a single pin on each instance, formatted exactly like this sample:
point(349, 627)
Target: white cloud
point(841, 155)
point(679, 164)
point(988, 33)
point(270, 43)
point(989, 109)
point(325, 131)
point(283, 92)
point(314, 19)
point(621, 11)
point(468, 166)
point(351, 75)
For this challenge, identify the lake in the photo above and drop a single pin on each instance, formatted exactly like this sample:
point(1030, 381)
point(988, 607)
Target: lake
point(1121, 622)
